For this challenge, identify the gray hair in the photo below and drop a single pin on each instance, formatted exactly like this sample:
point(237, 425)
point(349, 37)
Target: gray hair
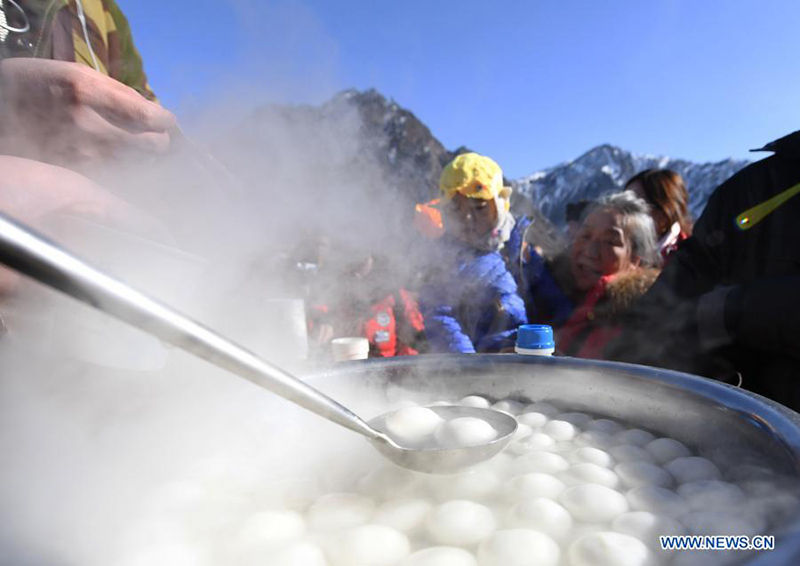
point(638, 224)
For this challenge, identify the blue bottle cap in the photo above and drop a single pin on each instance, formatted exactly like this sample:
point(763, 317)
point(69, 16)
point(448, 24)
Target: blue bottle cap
point(535, 337)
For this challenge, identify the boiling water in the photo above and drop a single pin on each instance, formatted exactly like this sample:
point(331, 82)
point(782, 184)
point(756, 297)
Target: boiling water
point(571, 489)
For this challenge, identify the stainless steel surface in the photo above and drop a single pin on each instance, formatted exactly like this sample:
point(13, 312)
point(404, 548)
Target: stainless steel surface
point(729, 426)
point(34, 255)
point(443, 461)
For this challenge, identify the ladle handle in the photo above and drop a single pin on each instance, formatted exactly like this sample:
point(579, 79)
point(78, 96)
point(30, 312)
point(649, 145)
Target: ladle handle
point(34, 255)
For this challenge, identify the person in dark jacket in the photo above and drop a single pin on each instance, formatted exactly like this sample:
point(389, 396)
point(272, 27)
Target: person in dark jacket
point(470, 302)
point(728, 302)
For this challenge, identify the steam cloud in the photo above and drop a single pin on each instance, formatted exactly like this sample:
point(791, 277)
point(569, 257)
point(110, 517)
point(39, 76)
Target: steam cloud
point(104, 431)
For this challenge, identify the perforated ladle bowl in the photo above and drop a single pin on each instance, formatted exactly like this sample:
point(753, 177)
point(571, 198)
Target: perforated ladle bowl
point(34, 255)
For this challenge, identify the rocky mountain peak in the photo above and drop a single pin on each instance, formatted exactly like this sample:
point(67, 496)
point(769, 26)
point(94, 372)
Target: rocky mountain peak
point(364, 131)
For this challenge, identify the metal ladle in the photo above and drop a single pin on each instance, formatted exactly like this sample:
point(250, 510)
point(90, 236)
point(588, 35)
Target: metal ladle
point(34, 255)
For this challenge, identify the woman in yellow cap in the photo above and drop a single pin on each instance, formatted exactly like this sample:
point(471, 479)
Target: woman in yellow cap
point(470, 302)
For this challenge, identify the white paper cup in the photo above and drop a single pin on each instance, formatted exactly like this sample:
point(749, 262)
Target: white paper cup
point(350, 349)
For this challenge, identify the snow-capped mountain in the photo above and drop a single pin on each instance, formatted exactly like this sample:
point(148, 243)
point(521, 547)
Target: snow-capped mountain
point(362, 139)
point(606, 168)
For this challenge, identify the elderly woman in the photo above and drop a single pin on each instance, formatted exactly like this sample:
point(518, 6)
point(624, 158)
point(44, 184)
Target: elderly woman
point(612, 261)
point(470, 301)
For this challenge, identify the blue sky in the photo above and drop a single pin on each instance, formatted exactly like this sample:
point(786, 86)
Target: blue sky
point(531, 84)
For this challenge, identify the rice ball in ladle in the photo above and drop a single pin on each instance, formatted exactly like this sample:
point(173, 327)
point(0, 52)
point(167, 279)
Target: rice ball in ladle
point(464, 437)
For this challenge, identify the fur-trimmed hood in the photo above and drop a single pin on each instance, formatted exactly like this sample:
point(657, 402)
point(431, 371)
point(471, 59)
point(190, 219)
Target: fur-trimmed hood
point(623, 290)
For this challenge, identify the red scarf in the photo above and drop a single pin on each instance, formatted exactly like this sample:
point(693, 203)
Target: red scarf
point(581, 336)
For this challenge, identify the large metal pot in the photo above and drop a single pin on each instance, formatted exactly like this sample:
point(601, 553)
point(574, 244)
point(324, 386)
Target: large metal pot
point(730, 426)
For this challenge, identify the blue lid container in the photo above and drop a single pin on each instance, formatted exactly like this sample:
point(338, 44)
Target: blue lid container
point(535, 337)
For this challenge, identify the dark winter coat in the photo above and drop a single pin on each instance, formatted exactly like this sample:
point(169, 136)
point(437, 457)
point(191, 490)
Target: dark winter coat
point(728, 301)
point(597, 320)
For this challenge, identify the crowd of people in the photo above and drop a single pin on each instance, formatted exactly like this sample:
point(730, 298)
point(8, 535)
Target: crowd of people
point(637, 280)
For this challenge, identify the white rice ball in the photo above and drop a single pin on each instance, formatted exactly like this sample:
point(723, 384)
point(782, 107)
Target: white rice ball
point(747, 472)
point(590, 455)
point(464, 431)
point(519, 547)
point(533, 485)
point(405, 515)
point(606, 426)
point(477, 484)
point(692, 469)
point(562, 448)
point(667, 449)
point(402, 404)
point(301, 553)
point(778, 506)
point(580, 420)
point(579, 531)
point(768, 486)
point(541, 514)
point(533, 419)
point(560, 430)
point(609, 549)
point(546, 409)
point(545, 462)
point(412, 426)
point(389, 481)
point(647, 527)
point(368, 545)
point(522, 431)
point(593, 503)
point(475, 401)
point(580, 474)
point(340, 511)
point(630, 453)
point(595, 439)
point(296, 493)
point(637, 474)
point(500, 465)
point(536, 441)
point(635, 437)
point(508, 406)
point(658, 500)
point(271, 527)
point(712, 495)
point(440, 556)
point(723, 523)
point(460, 523)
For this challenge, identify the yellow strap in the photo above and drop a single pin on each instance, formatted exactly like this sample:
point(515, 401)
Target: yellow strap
point(756, 214)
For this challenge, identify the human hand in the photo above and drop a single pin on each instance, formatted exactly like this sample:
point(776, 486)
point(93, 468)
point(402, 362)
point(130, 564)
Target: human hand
point(69, 114)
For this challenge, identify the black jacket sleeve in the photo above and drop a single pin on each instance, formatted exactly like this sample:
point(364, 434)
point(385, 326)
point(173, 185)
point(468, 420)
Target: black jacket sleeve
point(725, 291)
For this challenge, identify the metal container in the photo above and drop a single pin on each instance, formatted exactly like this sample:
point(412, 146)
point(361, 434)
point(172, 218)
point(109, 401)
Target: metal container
point(727, 425)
